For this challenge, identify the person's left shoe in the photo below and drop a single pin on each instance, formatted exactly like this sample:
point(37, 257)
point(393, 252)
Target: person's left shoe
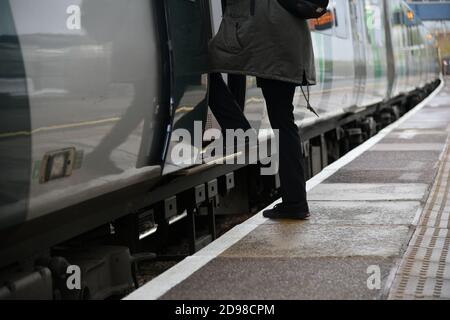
point(281, 211)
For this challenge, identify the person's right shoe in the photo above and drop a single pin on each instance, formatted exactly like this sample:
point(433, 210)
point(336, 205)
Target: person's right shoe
point(281, 211)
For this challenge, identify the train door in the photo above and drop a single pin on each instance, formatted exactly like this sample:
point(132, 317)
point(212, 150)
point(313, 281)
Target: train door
point(376, 47)
point(409, 49)
point(390, 55)
point(188, 26)
point(15, 150)
point(92, 71)
point(397, 35)
point(359, 50)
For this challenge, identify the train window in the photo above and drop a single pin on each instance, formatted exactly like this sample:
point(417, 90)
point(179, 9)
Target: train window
point(397, 14)
point(397, 18)
point(374, 23)
point(341, 17)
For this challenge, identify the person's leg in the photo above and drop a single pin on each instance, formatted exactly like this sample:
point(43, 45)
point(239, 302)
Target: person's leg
point(279, 99)
point(224, 105)
point(237, 84)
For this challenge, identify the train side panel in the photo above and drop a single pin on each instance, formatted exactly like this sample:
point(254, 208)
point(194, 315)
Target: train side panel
point(93, 75)
point(338, 67)
point(91, 88)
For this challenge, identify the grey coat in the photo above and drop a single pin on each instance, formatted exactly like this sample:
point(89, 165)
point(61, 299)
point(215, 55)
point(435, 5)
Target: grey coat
point(264, 41)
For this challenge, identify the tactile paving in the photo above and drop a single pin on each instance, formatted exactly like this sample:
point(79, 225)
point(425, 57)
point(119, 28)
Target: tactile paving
point(424, 272)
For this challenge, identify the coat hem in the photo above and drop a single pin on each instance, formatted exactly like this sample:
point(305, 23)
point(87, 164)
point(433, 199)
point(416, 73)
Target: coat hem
point(265, 76)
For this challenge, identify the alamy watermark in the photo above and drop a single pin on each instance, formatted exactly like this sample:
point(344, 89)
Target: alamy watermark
point(374, 280)
point(233, 147)
point(73, 281)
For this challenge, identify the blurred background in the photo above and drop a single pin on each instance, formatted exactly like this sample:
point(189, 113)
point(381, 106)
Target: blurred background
point(436, 16)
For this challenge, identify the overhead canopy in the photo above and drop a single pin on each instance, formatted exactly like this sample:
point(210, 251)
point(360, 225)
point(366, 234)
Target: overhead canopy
point(432, 10)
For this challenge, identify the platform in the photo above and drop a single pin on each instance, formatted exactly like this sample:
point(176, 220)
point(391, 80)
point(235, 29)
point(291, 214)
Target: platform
point(379, 228)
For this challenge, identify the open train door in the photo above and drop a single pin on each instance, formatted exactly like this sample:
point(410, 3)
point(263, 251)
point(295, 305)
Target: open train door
point(188, 26)
point(357, 22)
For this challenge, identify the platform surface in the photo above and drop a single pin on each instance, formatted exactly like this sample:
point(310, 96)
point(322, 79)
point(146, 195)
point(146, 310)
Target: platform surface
point(379, 229)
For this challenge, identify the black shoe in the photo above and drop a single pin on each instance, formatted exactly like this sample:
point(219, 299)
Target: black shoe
point(280, 211)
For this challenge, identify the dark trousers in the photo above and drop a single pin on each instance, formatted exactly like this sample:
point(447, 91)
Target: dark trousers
point(279, 98)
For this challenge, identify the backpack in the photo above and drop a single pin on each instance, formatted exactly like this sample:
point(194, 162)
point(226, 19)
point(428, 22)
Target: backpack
point(305, 9)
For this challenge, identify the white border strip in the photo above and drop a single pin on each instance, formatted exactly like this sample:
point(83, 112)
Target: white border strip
point(159, 286)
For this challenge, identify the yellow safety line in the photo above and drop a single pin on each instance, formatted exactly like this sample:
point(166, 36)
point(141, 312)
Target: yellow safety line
point(56, 127)
point(184, 109)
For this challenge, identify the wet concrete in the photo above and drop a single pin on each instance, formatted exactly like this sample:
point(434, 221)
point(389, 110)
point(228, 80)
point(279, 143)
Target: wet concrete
point(311, 240)
point(356, 213)
point(363, 213)
point(425, 176)
point(400, 147)
point(416, 137)
point(363, 216)
point(421, 124)
point(367, 192)
point(283, 279)
point(404, 158)
point(401, 160)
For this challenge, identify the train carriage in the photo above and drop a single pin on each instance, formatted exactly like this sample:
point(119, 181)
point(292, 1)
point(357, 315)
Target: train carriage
point(92, 94)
